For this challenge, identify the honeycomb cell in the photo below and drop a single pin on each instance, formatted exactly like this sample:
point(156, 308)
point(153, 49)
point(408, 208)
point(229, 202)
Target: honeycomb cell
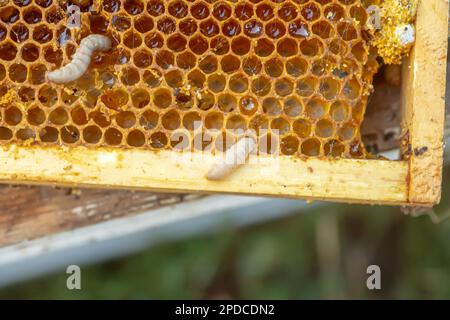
point(238, 83)
point(209, 28)
point(324, 128)
point(259, 124)
point(240, 45)
point(5, 133)
point(92, 134)
point(113, 137)
point(284, 86)
point(200, 10)
point(162, 98)
point(306, 86)
point(261, 86)
point(9, 14)
point(292, 107)
point(316, 108)
point(217, 82)
point(206, 100)
point(214, 121)
point(25, 134)
point(275, 29)
point(121, 23)
point(311, 47)
point(311, 147)
point(280, 126)
point(198, 44)
point(192, 121)
point(358, 13)
point(322, 29)
point(78, 116)
point(231, 28)
point(132, 40)
point(37, 74)
point(196, 78)
point(115, 99)
point(310, 12)
point(188, 26)
point(236, 124)
point(227, 102)
point(264, 47)
point(230, 64)
point(135, 138)
point(219, 45)
point(268, 144)
point(253, 28)
point(180, 140)
point(42, 34)
point(155, 7)
point(19, 33)
point(176, 42)
point(166, 25)
point(100, 118)
point(243, 11)
point(287, 47)
point(334, 148)
point(347, 31)
point(13, 116)
point(289, 145)
point(125, 119)
point(221, 12)
point(264, 11)
point(186, 60)
point(271, 106)
point(334, 12)
point(174, 78)
point(53, 15)
point(274, 67)
point(208, 64)
point(287, 12)
point(69, 134)
point(17, 72)
point(252, 65)
point(111, 5)
point(149, 120)
point(8, 51)
point(346, 131)
point(53, 56)
point(133, 7)
point(58, 116)
point(296, 68)
point(178, 9)
point(158, 140)
point(329, 88)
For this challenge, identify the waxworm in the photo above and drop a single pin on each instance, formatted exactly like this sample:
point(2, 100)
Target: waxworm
point(81, 59)
point(234, 157)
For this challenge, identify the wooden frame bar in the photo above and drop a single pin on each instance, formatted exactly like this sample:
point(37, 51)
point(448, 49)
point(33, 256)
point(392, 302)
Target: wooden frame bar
point(416, 180)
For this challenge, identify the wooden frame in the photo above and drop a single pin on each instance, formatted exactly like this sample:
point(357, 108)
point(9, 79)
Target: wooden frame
point(415, 180)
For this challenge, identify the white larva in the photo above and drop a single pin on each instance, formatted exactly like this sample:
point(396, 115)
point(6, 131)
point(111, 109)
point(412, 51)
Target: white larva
point(406, 34)
point(234, 157)
point(81, 59)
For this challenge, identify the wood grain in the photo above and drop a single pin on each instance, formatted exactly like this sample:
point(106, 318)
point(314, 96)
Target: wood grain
point(423, 102)
point(28, 213)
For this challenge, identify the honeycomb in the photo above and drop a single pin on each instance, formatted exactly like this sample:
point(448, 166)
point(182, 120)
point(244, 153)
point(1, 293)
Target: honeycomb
point(297, 73)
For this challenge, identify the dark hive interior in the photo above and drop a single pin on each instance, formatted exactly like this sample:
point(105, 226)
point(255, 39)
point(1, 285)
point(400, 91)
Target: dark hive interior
point(299, 69)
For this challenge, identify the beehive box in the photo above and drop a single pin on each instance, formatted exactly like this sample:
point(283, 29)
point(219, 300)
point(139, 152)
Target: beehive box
point(298, 73)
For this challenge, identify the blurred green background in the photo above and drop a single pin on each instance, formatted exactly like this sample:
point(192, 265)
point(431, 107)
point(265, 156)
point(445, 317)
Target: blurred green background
point(320, 253)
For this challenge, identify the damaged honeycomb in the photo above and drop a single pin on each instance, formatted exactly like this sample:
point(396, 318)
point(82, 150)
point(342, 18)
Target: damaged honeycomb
point(296, 72)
